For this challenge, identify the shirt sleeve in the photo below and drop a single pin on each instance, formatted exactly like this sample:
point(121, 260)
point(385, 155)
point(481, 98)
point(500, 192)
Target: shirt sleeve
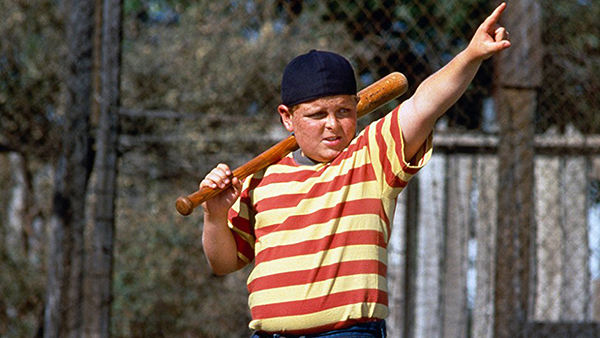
point(241, 224)
point(385, 144)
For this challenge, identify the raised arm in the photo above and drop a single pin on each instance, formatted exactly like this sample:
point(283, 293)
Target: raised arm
point(442, 89)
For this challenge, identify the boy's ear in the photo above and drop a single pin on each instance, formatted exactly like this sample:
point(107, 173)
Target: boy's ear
point(286, 117)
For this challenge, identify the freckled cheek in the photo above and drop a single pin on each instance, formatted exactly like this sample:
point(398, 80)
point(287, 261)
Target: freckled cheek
point(350, 130)
point(309, 135)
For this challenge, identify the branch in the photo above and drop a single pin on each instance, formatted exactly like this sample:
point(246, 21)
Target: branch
point(7, 149)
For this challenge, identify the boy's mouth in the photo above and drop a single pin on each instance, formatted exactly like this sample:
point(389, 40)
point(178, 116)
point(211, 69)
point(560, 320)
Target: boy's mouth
point(332, 141)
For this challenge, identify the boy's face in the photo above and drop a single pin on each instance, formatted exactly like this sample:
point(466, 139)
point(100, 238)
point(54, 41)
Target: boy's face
point(323, 127)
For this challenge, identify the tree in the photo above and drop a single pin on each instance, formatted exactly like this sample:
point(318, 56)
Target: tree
point(63, 315)
point(100, 269)
point(30, 86)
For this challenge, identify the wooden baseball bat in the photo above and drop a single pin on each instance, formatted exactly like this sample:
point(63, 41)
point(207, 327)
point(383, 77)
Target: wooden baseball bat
point(371, 98)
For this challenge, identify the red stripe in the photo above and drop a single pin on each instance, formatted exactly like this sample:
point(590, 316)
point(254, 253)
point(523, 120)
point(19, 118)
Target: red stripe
point(240, 223)
point(243, 247)
point(356, 175)
point(244, 225)
point(397, 135)
point(303, 175)
point(308, 306)
point(358, 237)
point(359, 207)
point(288, 161)
point(296, 176)
point(318, 274)
point(352, 148)
point(390, 177)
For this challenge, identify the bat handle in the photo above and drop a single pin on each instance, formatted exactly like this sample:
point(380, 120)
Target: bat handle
point(186, 204)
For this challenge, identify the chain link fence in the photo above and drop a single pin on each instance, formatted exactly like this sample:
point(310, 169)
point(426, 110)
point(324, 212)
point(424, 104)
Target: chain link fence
point(200, 85)
point(221, 77)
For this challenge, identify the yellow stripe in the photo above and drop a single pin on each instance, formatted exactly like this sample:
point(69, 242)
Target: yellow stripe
point(392, 156)
point(321, 318)
point(243, 257)
point(374, 151)
point(321, 230)
point(312, 261)
point(318, 289)
point(328, 175)
point(354, 192)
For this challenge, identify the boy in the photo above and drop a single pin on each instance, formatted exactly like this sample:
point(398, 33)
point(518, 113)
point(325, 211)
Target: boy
point(317, 222)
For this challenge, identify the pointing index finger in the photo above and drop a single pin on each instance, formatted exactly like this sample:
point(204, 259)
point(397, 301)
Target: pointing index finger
point(494, 17)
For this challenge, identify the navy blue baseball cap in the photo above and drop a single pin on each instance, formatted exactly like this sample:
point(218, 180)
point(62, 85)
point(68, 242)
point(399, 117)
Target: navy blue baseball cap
point(314, 75)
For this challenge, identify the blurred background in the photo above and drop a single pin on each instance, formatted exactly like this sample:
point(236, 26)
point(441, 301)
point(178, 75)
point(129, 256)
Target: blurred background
point(112, 109)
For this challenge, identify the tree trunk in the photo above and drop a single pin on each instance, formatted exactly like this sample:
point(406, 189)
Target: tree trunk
point(19, 210)
point(100, 269)
point(63, 312)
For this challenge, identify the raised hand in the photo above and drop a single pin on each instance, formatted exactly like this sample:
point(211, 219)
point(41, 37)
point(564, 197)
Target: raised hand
point(489, 38)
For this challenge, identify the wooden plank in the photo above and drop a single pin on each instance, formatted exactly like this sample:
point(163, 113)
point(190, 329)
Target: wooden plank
point(549, 258)
point(485, 233)
point(397, 270)
point(432, 187)
point(456, 260)
point(576, 293)
point(594, 175)
point(555, 144)
point(562, 330)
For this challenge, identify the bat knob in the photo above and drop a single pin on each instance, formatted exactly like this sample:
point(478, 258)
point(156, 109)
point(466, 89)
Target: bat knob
point(184, 206)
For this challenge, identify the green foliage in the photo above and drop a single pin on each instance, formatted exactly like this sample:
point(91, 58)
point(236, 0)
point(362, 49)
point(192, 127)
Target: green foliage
point(21, 293)
point(571, 66)
point(222, 63)
point(31, 48)
point(163, 286)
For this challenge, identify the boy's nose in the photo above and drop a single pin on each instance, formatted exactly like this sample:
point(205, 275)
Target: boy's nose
point(332, 122)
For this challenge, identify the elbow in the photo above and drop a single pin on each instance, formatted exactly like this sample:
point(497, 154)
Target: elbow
point(219, 269)
point(218, 272)
point(222, 269)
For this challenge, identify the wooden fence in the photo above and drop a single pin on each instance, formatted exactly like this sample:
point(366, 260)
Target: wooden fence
point(442, 257)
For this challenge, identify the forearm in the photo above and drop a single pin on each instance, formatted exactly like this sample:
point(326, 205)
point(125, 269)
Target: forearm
point(219, 245)
point(442, 89)
point(433, 98)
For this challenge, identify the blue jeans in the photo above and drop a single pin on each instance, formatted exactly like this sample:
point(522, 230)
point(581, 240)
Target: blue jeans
point(366, 330)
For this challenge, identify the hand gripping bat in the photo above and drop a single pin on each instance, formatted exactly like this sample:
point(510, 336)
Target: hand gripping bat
point(371, 98)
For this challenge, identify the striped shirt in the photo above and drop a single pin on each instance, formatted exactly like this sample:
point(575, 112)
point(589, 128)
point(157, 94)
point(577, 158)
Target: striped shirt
point(318, 233)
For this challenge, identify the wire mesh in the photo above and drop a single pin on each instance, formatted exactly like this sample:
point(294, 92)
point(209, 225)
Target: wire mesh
point(200, 85)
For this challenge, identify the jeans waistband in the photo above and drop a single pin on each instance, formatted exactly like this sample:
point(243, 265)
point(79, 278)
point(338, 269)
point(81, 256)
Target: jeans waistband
point(375, 327)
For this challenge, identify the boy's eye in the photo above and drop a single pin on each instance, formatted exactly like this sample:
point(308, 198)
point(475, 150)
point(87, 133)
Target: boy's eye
point(343, 112)
point(318, 115)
